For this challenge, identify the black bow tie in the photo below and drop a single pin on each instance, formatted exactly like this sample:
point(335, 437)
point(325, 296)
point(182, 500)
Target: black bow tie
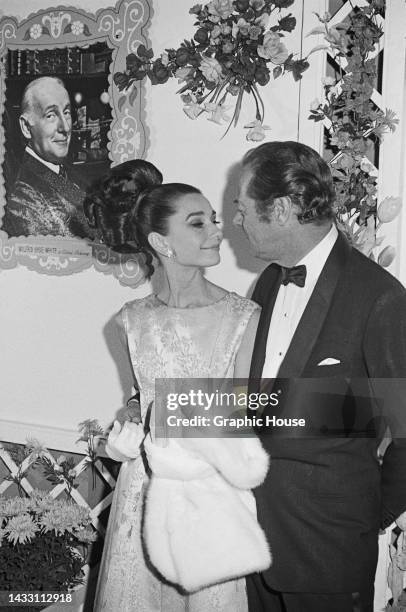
point(296, 275)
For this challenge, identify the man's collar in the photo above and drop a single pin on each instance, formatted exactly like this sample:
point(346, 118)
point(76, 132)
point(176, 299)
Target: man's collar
point(54, 167)
point(317, 257)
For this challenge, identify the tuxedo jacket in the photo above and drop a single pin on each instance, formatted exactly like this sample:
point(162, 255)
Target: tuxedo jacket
point(326, 494)
point(42, 202)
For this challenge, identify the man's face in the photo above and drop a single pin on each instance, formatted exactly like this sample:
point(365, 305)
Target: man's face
point(50, 122)
point(262, 234)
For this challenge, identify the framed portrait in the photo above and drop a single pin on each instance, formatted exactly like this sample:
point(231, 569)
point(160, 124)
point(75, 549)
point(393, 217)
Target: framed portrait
point(64, 123)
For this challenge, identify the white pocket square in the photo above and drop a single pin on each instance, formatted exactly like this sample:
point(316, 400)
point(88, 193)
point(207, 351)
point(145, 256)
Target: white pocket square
point(329, 361)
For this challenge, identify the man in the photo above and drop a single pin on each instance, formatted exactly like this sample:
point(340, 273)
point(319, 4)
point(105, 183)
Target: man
point(332, 333)
point(44, 199)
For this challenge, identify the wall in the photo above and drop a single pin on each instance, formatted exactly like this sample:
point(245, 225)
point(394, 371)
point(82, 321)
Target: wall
point(59, 360)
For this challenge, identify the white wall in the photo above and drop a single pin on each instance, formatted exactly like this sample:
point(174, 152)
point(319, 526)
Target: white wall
point(59, 360)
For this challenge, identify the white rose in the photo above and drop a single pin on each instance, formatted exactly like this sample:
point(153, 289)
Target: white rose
point(273, 49)
point(211, 69)
point(221, 8)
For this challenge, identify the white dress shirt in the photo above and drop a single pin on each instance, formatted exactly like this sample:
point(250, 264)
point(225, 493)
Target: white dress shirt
point(54, 167)
point(290, 304)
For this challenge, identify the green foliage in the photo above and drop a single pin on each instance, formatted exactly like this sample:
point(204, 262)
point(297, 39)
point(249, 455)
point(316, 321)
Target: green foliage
point(233, 51)
point(356, 124)
point(43, 542)
point(48, 562)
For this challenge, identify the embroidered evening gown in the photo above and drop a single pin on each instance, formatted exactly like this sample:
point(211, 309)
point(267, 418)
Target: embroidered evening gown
point(166, 342)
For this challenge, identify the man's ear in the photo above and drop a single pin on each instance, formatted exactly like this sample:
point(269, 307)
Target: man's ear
point(25, 126)
point(282, 209)
point(159, 243)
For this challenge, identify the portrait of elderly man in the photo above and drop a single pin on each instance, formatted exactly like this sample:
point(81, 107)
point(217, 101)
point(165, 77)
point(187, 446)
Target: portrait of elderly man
point(45, 199)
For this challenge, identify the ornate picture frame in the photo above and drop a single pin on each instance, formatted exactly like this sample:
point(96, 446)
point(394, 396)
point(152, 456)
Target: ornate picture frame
point(73, 32)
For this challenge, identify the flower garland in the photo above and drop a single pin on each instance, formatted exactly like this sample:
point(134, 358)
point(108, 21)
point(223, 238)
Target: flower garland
point(234, 51)
point(354, 124)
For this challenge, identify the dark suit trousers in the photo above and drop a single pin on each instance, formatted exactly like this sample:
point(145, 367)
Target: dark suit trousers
point(262, 598)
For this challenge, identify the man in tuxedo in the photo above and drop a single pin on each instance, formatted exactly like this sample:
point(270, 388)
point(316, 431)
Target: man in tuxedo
point(332, 340)
point(45, 199)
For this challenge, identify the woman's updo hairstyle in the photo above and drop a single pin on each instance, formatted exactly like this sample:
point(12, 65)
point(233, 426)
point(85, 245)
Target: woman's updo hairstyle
point(129, 204)
point(295, 170)
point(110, 205)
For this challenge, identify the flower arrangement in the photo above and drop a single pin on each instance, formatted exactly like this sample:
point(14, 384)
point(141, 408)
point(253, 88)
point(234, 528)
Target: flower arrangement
point(354, 125)
point(42, 542)
point(234, 51)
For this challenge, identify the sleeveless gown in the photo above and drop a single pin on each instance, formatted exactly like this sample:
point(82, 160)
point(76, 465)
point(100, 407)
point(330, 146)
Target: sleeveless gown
point(166, 342)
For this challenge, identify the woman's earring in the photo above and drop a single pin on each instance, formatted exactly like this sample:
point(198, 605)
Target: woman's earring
point(170, 253)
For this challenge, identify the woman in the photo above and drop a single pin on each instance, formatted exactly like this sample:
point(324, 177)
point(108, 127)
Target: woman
point(189, 328)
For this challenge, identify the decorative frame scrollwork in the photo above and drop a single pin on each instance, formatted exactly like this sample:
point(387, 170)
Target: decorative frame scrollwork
point(123, 29)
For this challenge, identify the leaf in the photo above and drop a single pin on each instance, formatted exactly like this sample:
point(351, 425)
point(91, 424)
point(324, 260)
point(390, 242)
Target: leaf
point(121, 80)
point(45, 31)
point(86, 31)
point(27, 35)
point(121, 102)
point(277, 71)
point(68, 29)
point(298, 67)
point(318, 48)
point(133, 95)
point(317, 30)
point(144, 53)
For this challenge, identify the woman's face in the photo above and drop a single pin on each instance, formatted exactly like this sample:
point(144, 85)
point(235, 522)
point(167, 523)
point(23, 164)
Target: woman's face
point(193, 233)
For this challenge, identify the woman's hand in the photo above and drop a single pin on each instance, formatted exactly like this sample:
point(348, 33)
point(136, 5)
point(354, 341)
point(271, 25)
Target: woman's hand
point(124, 441)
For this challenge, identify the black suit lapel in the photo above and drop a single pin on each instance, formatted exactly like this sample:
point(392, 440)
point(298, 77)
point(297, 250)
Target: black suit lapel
point(314, 316)
point(268, 287)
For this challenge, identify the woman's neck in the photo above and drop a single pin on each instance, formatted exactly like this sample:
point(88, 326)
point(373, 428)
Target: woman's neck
point(187, 287)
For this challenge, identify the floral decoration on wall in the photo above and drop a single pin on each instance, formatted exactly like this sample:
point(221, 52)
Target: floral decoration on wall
point(238, 46)
point(44, 540)
point(355, 125)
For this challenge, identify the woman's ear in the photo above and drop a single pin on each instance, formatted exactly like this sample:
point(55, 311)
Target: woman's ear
point(159, 243)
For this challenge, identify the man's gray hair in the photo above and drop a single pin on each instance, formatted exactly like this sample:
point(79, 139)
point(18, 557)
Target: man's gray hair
point(26, 101)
